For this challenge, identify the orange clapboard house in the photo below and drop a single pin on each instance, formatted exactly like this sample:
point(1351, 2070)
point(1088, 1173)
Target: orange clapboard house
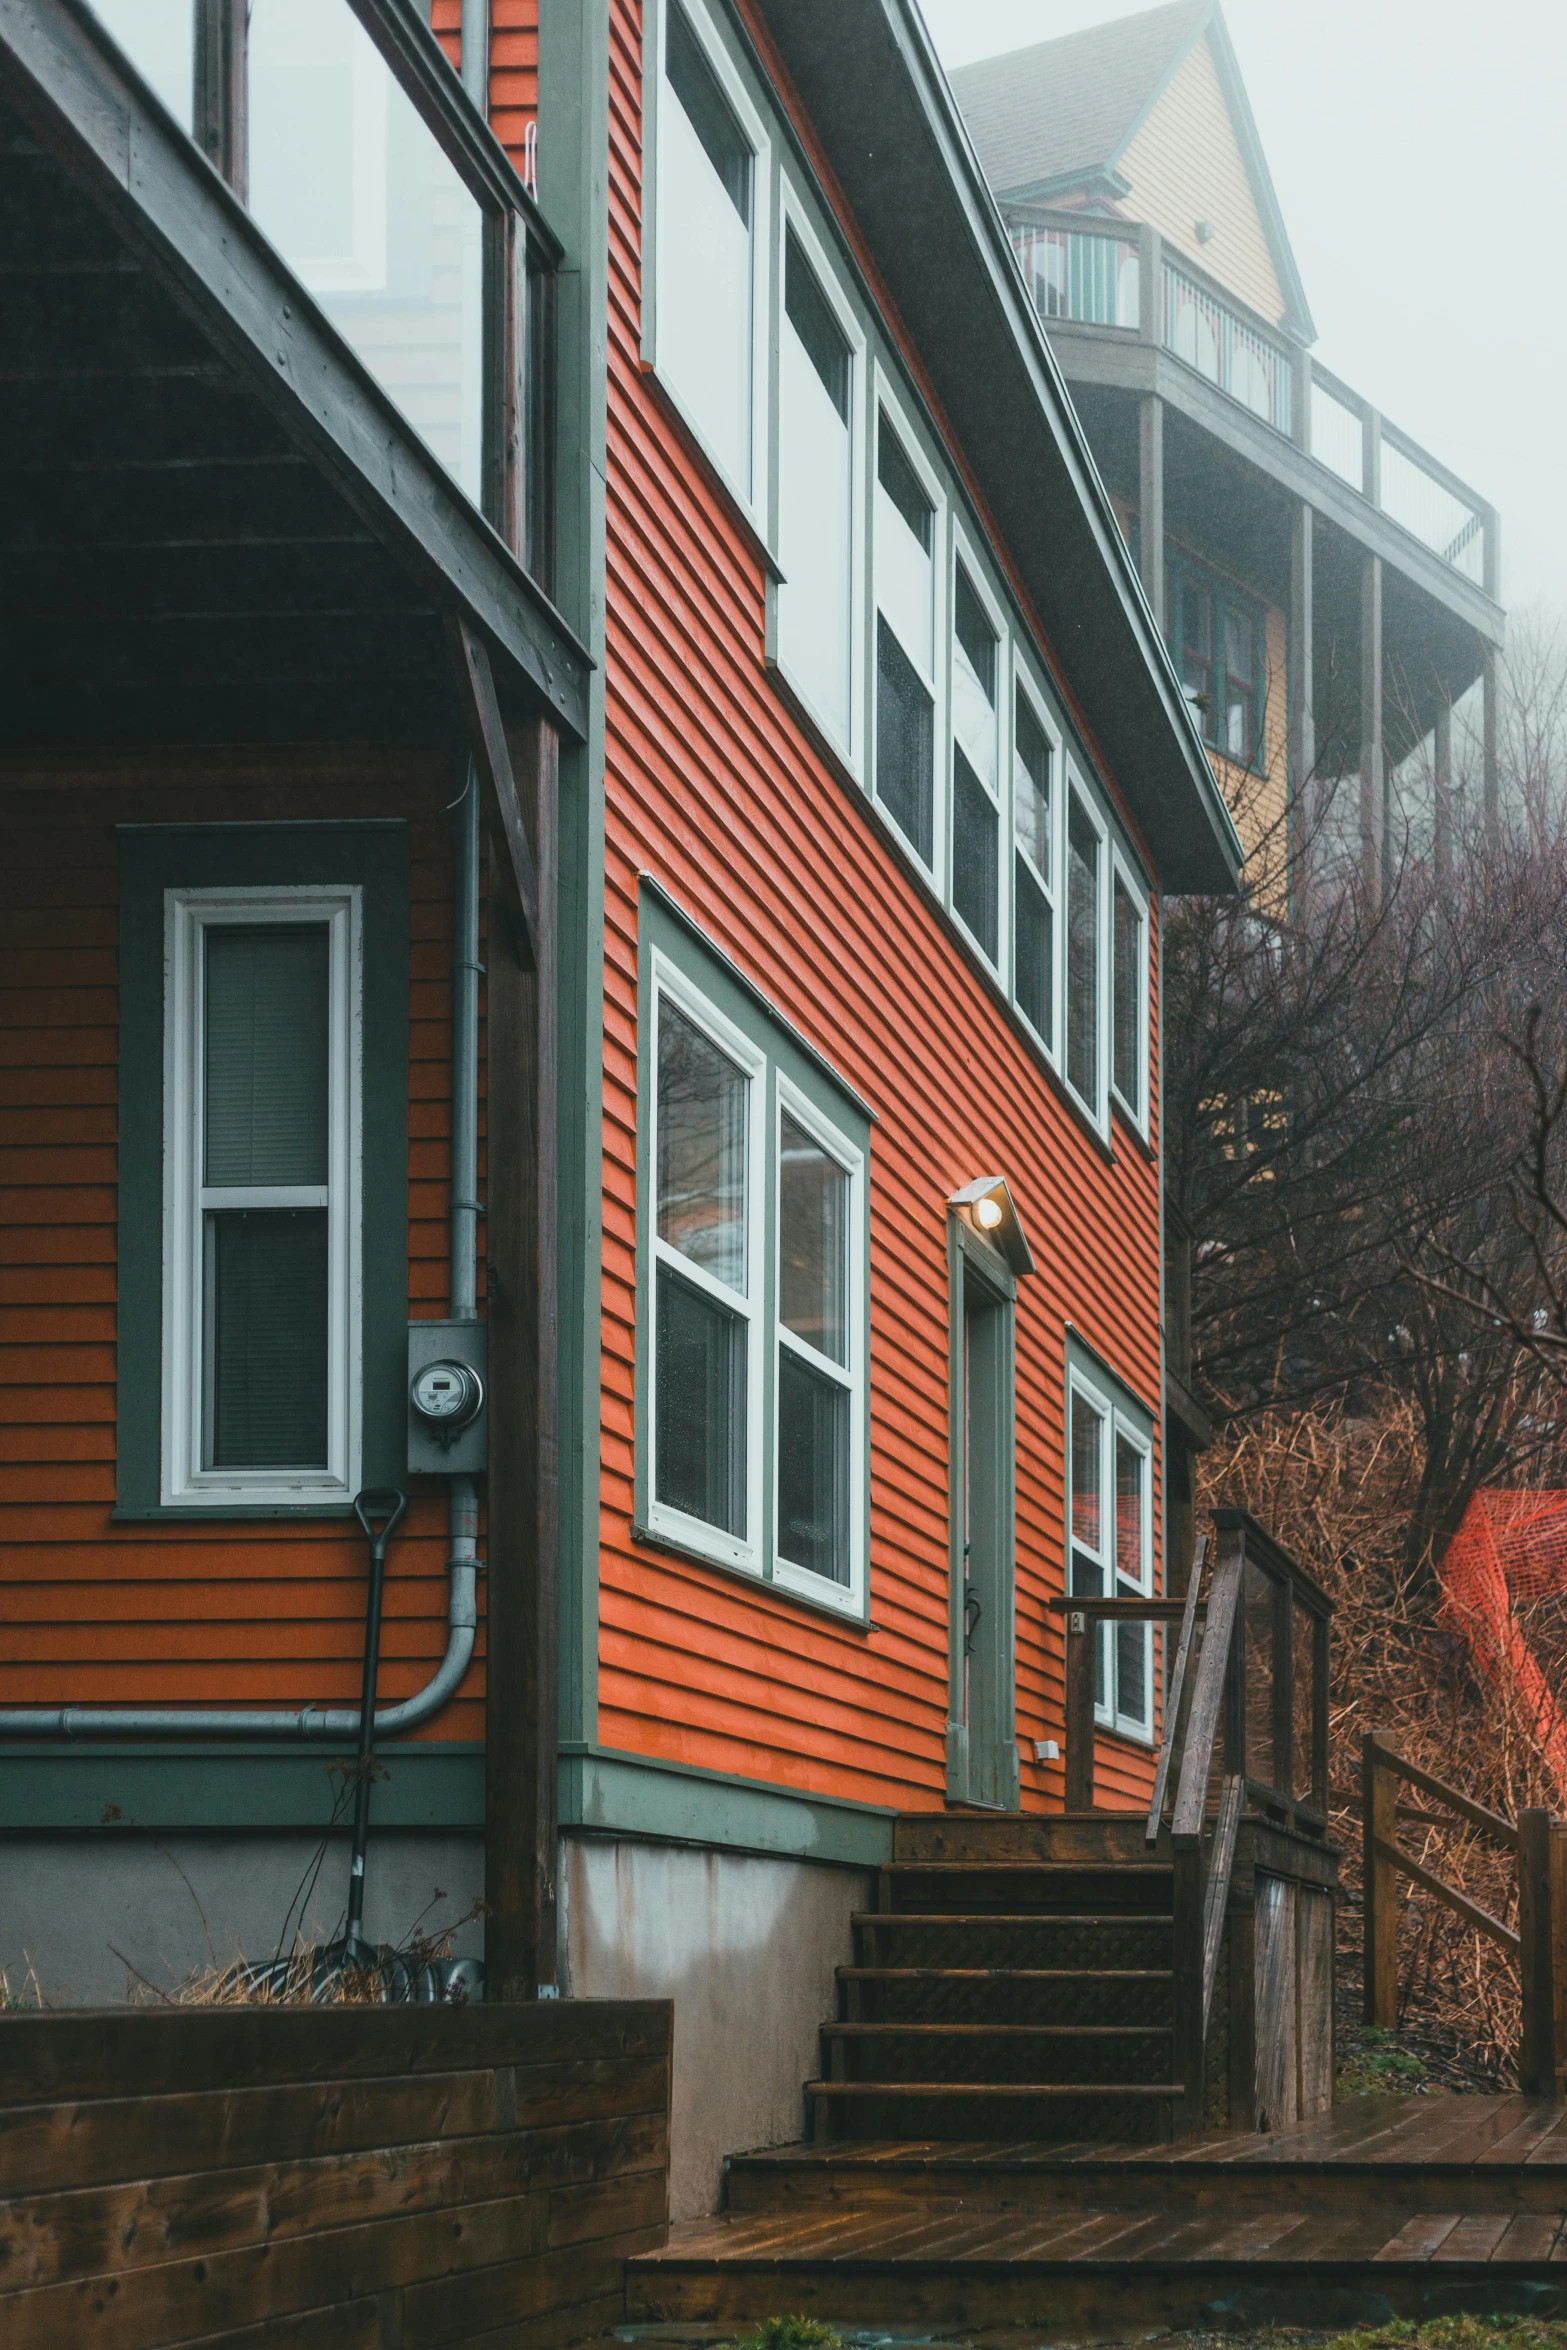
point(607, 514)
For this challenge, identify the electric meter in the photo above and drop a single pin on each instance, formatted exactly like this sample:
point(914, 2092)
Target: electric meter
point(447, 1393)
point(447, 1399)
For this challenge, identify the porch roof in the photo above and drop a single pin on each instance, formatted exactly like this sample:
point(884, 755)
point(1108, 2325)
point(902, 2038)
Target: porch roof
point(215, 525)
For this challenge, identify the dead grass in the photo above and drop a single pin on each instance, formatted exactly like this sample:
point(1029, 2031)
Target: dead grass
point(1336, 1489)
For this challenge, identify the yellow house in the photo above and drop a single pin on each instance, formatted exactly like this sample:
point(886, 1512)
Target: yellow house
point(1326, 588)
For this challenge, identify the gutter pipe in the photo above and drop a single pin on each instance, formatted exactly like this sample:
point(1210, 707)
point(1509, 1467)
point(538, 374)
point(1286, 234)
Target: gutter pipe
point(462, 1564)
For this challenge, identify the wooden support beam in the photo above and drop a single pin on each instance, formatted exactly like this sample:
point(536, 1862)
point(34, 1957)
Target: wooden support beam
point(487, 740)
point(519, 779)
point(522, 1702)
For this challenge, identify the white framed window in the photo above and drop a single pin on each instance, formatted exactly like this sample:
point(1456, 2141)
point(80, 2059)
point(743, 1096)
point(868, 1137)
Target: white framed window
point(819, 1335)
point(712, 189)
point(1129, 992)
point(821, 354)
point(908, 538)
point(1036, 859)
point(753, 1416)
point(979, 640)
point(706, 1152)
point(263, 1022)
point(1110, 1537)
point(1085, 852)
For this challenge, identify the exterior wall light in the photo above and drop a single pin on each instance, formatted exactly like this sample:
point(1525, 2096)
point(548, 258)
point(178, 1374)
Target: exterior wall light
point(987, 1207)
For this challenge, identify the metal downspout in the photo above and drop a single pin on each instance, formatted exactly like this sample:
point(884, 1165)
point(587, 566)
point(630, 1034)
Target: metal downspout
point(462, 1565)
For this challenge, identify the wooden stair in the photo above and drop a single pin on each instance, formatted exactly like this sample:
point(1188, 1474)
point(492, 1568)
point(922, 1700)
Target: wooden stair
point(1014, 1982)
point(1417, 2206)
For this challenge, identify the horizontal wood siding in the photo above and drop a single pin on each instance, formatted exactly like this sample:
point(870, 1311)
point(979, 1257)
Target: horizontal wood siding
point(514, 61)
point(712, 787)
point(1186, 165)
point(352, 2177)
point(214, 1613)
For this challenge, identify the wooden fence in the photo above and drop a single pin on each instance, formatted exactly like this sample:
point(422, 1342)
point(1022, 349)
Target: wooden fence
point(349, 2177)
point(1538, 1944)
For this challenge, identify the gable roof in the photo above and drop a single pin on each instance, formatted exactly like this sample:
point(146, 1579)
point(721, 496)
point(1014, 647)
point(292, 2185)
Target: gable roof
point(1061, 114)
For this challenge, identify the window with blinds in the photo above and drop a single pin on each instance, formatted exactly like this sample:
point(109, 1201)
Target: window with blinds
point(259, 1149)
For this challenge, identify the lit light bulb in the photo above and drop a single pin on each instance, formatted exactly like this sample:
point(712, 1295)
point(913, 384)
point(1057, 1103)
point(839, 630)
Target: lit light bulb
point(987, 1214)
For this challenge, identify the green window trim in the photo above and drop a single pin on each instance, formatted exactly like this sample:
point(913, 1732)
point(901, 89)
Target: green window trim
point(1121, 1415)
point(1191, 592)
point(154, 859)
point(790, 1077)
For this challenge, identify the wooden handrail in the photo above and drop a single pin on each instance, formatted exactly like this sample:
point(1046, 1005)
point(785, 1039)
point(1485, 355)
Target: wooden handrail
point(1174, 1694)
point(1491, 1822)
point(1449, 1895)
point(1221, 1862)
point(1202, 1729)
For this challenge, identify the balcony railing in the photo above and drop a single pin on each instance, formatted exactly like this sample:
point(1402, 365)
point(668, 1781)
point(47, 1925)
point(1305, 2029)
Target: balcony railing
point(340, 126)
point(1093, 273)
point(1219, 343)
point(1078, 274)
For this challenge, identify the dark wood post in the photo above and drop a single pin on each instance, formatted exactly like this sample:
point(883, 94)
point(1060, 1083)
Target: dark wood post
point(1082, 1638)
point(1188, 1905)
point(1542, 1917)
point(1379, 1818)
point(519, 771)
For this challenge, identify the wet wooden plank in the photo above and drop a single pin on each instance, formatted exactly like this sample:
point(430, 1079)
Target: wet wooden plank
point(1529, 2235)
point(1420, 2237)
point(1475, 2237)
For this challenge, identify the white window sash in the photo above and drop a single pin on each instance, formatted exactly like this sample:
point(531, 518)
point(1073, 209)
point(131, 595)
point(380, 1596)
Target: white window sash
point(1075, 792)
point(1121, 872)
point(747, 479)
point(188, 916)
point(742, 1551)
point(847, 1598)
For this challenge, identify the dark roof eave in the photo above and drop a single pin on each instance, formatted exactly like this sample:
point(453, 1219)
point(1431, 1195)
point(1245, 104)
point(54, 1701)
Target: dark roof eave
point(879, 101)
point(98, 119)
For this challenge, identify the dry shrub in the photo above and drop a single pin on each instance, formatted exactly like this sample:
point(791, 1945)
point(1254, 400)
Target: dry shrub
point(1338, 1488)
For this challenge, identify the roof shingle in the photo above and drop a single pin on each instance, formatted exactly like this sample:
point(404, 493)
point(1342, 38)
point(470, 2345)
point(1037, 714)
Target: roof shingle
point(1065, 108)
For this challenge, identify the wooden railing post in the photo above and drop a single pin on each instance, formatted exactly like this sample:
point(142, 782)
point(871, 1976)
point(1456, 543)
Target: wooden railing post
point(1379, 1813)
point(1082, 1639)
point(1189, 1905)
point(1542, 1953)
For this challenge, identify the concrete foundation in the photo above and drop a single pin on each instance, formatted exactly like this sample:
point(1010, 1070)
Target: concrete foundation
point(746, 1949)
point(82, 1918)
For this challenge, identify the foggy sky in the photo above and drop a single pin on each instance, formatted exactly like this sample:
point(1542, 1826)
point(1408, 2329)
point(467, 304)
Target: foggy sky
point(1419, 158)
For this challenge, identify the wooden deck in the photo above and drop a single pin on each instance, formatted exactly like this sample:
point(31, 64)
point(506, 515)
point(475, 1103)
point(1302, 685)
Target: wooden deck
point(1385, 2207)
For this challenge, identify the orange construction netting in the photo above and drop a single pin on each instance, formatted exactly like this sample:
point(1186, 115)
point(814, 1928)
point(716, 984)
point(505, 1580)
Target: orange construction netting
point(1510, 1553)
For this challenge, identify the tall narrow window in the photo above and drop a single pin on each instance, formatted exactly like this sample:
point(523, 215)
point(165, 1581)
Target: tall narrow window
point(702, 1308)
point(1083, 853)
point(905, 745)
point(1240, 684)
point(1034, 941)
point(904, 556)
point(1109, 1512)
point(1089, 1527)
point(815, 472)
point(1196, 606)
point(976, 823)
point(1133, 1578)
point(261, 1197)
point(814, 1373)
point(1130, 1011)
point(705, 292)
